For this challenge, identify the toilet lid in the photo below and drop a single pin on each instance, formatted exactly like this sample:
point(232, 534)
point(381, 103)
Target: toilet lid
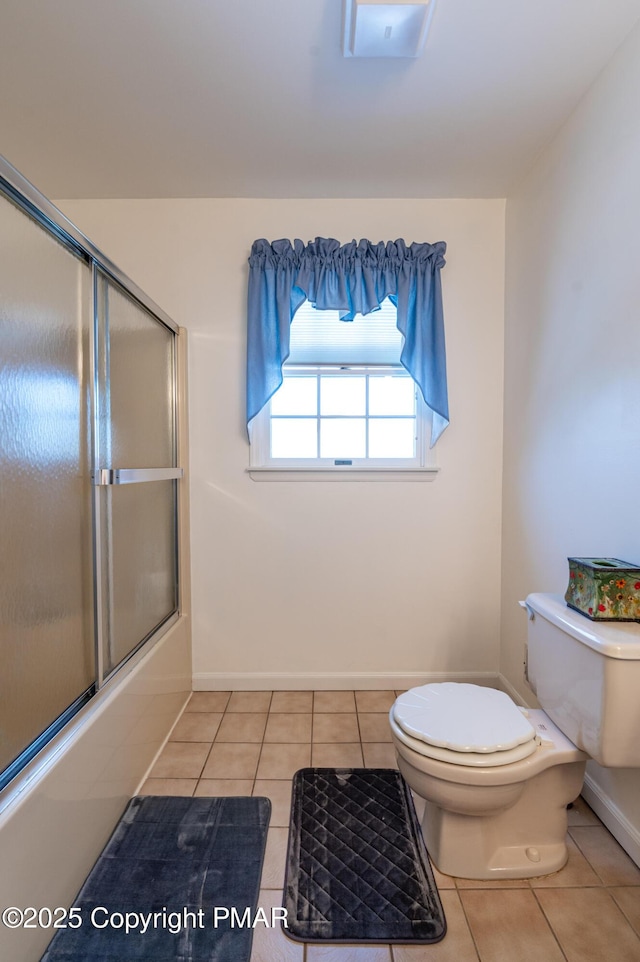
point(462, 718)
point(468, 759)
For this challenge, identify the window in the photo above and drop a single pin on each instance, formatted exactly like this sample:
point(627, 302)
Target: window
point(344, 417)
point(346, 407)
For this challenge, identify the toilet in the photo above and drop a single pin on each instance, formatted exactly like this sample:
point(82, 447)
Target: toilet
point(496, 778)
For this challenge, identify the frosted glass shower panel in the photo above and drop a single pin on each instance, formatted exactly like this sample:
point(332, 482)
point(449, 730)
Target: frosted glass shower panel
point(46, 572)
point(139, 379)
point(143, 552)
point(136, 453)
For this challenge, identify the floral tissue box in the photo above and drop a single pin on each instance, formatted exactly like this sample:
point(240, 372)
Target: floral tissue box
point(604, 589)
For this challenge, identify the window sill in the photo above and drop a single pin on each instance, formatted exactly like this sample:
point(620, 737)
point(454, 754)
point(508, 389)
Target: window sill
point(342, 474)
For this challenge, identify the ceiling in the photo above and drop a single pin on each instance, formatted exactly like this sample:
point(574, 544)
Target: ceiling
point(253, 98)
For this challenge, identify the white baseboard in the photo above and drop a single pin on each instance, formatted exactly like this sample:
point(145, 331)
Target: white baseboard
point(331, 681)
point(505, 685)
point(615, 820)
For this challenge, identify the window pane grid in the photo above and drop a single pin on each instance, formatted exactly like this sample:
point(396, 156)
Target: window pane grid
point(334, 417)
point(366, 402)
point(318, 388)
point(390, 435)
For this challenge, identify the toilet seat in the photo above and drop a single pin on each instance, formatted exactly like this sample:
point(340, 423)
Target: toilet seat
point(463, 725)
point(470, 759)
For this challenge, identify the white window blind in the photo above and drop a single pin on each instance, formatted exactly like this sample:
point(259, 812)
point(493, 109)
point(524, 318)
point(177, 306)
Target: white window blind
point(320, 337)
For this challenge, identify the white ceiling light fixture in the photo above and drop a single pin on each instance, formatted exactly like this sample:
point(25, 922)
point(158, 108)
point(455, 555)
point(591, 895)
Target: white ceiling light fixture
point(386, 28)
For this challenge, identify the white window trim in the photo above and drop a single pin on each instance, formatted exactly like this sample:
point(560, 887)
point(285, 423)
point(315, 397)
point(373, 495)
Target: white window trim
point(264, 468)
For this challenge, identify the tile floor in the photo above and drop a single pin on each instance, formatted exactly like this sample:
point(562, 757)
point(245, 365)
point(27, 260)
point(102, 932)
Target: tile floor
point(251, 743)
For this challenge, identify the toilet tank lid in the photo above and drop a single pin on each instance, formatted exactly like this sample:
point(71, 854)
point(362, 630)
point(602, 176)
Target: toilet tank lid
point(613, 639)
point(462, 718)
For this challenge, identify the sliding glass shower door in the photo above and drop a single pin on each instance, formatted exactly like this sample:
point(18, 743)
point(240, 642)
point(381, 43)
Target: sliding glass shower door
point(46, 578)
point(88, 471)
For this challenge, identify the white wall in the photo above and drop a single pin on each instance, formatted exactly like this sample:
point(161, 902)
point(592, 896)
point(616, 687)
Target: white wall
point(572, 363)
point(315, 584)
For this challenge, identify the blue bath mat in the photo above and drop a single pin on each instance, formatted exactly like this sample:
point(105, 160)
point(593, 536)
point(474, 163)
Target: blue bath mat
point(357, 866)
point(170, 863)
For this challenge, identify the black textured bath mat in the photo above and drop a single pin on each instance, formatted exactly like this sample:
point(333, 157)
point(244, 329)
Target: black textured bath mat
point(357, 868)
point(170, 863)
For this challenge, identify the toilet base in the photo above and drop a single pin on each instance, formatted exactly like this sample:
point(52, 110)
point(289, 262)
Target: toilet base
point(459, 847)
point(524, 840)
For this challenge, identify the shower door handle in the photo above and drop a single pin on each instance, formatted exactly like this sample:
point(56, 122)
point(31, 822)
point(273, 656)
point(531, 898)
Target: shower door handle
point(110, 476)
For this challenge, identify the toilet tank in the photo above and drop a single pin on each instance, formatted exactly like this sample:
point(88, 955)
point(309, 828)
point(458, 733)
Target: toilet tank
point(586, 676)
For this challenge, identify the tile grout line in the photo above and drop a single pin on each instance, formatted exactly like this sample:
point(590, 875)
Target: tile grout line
point(313, 715)
point(262, 744)
point(255, 774)
point(548, 921)
point(622, 910)
point(466, 918)
point(585, 856)
point(213, 742)
point(359, 727)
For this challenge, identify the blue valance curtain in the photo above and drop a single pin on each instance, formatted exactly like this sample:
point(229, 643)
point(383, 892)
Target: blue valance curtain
point(352, 278)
